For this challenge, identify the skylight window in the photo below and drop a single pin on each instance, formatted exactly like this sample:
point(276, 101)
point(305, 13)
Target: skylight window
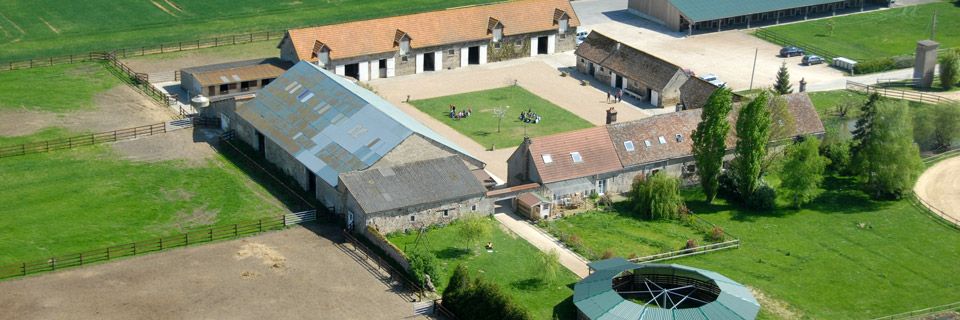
point(628, 145)
point(306, 95)
point(646, 143)
point(576, 157)
point(547, 158)
point(662, 140)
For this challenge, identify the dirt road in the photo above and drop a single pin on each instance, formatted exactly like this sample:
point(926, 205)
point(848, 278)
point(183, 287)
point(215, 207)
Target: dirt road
point(939, 187)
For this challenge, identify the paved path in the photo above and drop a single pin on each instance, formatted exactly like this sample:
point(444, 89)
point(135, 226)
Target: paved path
point(544, 242)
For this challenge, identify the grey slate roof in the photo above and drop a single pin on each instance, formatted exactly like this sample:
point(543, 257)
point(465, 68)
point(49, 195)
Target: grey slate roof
point(329, 123)
point(704, 10)
point(428, 181)
point(628, 61)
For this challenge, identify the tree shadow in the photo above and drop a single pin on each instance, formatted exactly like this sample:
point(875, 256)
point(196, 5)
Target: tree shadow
point(843, 195)
point(481, 133)
point(565, 310)
point(450, 253)
point(530, 284)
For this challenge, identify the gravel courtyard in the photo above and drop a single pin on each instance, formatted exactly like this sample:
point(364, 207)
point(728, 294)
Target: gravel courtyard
point(291, 274)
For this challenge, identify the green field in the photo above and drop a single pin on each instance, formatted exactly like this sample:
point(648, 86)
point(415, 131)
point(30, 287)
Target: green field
point(84, 199)
point(842, 257)
point(879, 34)
point(60, 88)
point(511, 266)
point(481, 126)
point(31, 29)
point(622, 233)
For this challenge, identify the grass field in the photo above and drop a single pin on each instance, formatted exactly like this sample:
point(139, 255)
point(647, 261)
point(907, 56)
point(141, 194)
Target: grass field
point(842, 257)
point(879, 34)
point(60, 88)
point(482, 125)
point(83, 199)
point(622, 233)
point(30, 29)
point(511, 266)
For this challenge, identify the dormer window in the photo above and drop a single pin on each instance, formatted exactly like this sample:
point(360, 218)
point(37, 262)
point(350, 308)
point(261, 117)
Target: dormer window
point(322, 52)
point(562, 19)
point(402, 40)
point(495, 28)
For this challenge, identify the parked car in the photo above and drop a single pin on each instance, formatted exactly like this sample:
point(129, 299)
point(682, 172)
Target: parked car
point(712, 79)
point(812, 60)
point(581, 36)
point(791, 51)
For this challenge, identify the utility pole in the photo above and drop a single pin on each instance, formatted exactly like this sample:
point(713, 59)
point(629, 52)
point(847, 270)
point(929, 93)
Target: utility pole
point(933, 28)
point(755, 53)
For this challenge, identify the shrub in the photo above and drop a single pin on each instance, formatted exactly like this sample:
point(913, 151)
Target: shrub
point(575, 241)
point(949, 67)
point(422, 262)
point(607, 254)
point(764, 199)
point(691, 243)
point(876, 65)
point(728, 188)
point(479, 299)
point(657, 197)
point(632, 256)
point(716, 234)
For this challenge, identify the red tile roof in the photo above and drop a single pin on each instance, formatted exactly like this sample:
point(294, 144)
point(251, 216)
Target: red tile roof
point(593, 145)
point(429, 29)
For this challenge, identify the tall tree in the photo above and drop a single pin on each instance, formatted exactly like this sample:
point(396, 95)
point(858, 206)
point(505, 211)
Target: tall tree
point(473, 229)
point(868, 115)
point(782, 123)
point(709, 140)
point(657, 197)
point(753, 133)
point(547, 266)
point(783, 86)
point(936, 127)
point(949, 67)
point(802, 172)
point(888, 161)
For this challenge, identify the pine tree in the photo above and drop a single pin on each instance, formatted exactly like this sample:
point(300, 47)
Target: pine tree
point(783, 86)
point(753, 132)
point(709, 140)
point(868, 114)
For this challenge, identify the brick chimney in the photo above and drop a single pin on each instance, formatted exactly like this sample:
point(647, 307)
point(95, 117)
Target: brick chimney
point(611, 115)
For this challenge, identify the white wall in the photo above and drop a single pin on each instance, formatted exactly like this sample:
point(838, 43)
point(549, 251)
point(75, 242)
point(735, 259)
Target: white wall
point(551, 44)
point(364, 72)
point(340, 70)
point(533, 46)
point(483, 54)
point(419, 63)
point(438, 60)
point(391, 67)
point(374, 69)
point(464, 56)
point(654, 98)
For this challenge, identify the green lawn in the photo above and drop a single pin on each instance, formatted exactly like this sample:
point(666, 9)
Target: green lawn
point(246, 51)
point(84, 199)
point(30, 29)
point(60, 88)
point(879, 34)
point(622, 233)
point(821, 261)
point(50, 133)
point(511, 266)
point(481, 126)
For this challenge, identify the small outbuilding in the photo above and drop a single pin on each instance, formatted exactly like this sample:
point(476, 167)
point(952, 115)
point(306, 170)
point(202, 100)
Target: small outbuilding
point(232, 78)
point(533, 206)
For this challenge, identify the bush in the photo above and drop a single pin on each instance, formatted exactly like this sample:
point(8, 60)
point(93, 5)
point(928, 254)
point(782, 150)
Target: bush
point(479, 299)
point(949, 67)
point(716, 234)
point(764, 199)
point(691, 243)
point(876, 65)
point(607, 254)
point(728, 188)
point(657, 197)
point(838, 152)
point(422, 262)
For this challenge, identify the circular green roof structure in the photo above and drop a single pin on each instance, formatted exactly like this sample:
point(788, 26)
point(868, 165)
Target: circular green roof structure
point(620, 289)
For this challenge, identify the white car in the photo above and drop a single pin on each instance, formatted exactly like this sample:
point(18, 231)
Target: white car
point(712, 79)
point(581, 36)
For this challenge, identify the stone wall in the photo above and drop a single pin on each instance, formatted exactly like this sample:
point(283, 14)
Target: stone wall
point(511, 47)
point(451, 58)
point(393, 252)
point(285, 162)
point(567, 41)
point(422, 215)
point(405, 67)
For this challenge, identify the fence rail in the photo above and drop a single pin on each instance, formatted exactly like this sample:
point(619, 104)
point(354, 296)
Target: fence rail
point(140, 80)
point(167, 47)
point(779, 39)
point(688, 252)
point(916, 314)
point(82, 140)
point(382, 264)
point(153, 245)
point(898, 94)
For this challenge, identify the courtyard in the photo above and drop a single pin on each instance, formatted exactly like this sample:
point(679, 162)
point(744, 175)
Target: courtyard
point(303, 272)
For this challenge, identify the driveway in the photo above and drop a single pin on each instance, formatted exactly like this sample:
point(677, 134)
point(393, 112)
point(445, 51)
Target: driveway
point(298, 273)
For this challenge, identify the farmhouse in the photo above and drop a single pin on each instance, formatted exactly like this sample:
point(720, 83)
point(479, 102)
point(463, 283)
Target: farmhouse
point(437, 40)
point(232, 78)
point(640, 74)
point(702, 16)
point(322, 129)
point(607, 159)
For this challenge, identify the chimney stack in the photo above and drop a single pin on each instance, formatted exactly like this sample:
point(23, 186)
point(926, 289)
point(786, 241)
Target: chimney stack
point(611, 115)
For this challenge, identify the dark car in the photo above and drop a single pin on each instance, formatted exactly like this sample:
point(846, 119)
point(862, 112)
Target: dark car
point(811, 60)
point(791, 52)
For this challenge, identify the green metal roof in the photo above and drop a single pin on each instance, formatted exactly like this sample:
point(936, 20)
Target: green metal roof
point(705, 10)
point(595, 297)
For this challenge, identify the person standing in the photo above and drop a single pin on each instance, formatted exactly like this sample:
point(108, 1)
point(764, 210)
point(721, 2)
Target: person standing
point(608, 96)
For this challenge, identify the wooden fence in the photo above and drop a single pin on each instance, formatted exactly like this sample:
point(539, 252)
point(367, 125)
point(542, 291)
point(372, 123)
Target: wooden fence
point(915, 96)
point(688, 252)
point(82, 140)
point(779, 39)
point(147, 50)
point(140, 80)
point(154, 245)
point(917, 314)
point(383, 265)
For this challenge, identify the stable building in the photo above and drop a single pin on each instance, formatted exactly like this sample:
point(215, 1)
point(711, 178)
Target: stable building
point(232, 78)
point(437, 40)
point(692, 16)
point(641, 75)
point(330, 136)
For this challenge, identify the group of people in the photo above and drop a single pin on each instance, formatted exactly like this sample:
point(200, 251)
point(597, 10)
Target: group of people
point(616, 95)
point(530, 117)
point(462, 114)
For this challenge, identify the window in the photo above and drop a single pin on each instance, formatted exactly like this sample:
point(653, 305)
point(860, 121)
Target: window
point(496, 45)
point(451, 52)
point(413, 218)
point(473, 208)
point(576, 157)
point(446, 213)
point(563, 36)
point(646, 143)
point(662, 140)
point(518, 42)
point(306, 95)
point(547, 158)
point(679, 137)
point(628, 145)
point(403, 58)
point(265, 82)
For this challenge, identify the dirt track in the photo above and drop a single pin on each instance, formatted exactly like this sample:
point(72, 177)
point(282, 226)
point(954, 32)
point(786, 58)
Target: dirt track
point(939, 187)
point(292, 274)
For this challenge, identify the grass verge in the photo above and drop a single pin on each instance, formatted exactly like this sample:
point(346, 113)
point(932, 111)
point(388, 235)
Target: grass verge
point(60, 88)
